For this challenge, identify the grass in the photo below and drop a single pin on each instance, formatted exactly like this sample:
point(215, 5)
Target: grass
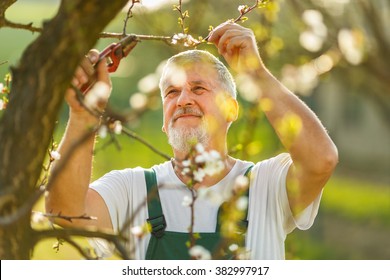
point(361, 204)
point(357, 200)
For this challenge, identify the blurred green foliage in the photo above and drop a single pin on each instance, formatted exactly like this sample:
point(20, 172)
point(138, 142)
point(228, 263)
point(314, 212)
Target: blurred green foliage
point(358, 201)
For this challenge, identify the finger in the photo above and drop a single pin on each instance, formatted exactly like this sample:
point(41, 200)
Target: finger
point(85, 72)
point(218, 31)
point(93, 56)
point(80, 76)
point(102, 72)
point(87, 66)
point(75, 82)
point(235, 44)
point(88, 62)
point(226, 38)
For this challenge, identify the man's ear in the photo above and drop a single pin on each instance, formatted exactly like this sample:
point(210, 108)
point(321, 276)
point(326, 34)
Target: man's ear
point(232, 109)
point(228, 106)
point(163, 129)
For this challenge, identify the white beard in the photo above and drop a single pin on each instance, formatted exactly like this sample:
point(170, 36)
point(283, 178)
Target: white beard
point(183, 139)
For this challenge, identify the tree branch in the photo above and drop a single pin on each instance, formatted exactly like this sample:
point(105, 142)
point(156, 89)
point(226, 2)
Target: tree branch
point(65, 233)
point(29, 26)
point(143, 141)
point(129, 15)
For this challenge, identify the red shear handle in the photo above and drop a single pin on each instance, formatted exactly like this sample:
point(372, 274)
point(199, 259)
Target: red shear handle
point(116, 51)
point(113, 54)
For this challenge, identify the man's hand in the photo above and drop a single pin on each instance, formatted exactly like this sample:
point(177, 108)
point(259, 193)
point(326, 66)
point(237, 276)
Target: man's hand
point(238, 46)
point(87, 74)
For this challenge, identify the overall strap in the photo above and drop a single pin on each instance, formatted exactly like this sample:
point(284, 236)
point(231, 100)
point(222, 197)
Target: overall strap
point(247, 174)
point(156, 218)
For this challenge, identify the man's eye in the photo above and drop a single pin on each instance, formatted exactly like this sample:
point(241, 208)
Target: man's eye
point(198, 89)
point(170, 92)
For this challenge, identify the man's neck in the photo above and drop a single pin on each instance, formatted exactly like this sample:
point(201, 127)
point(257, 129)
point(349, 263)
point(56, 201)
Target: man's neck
point(208, 181)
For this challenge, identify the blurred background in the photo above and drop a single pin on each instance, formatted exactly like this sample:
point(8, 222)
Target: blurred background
point(333, 54)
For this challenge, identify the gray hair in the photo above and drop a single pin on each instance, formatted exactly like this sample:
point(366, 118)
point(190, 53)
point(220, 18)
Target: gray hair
point(193, 56)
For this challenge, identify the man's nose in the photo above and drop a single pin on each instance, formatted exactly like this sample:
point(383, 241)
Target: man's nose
point(185, 98)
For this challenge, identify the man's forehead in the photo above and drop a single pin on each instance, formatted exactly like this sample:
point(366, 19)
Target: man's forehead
point(175, 74)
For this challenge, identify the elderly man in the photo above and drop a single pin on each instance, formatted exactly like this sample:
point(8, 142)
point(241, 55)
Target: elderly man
point(199, 104)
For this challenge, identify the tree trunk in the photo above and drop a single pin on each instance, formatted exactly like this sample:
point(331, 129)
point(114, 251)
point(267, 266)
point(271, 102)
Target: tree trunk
point(26, 128)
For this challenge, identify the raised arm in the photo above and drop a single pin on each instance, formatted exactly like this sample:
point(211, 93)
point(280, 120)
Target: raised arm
point(69, 193)
point(313, 153)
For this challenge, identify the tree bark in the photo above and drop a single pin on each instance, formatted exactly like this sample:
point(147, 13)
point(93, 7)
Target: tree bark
point(26, 128)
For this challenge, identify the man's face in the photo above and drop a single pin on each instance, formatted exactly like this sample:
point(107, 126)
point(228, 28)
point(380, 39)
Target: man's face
point(194, 105)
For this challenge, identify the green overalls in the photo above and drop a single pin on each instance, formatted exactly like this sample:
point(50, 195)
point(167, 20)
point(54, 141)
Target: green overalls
point(168, 245)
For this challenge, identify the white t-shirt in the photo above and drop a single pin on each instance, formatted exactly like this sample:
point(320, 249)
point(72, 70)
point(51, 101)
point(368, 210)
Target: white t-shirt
point(269, 215)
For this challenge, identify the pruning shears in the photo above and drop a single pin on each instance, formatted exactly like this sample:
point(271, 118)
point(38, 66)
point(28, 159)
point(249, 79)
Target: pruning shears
point(113, 54)
point(116, 51)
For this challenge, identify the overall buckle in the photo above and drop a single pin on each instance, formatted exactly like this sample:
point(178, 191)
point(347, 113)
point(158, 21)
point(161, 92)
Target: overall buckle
point(158, 225)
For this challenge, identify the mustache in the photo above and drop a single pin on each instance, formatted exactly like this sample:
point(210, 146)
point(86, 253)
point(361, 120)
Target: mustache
point(187, 111)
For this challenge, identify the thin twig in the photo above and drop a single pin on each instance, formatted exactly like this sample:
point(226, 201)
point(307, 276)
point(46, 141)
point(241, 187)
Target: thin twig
point(182, 17)
point(165, 39)
point(28, 26)
point(129, 15)
point(143, 141)
point(66, 232)
point(243, 12)
point(67, 218)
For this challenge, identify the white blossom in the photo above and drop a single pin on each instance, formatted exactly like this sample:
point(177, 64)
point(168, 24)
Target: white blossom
point(310, 41)
point(187, 201)
point(213, 163)
point(38, 218)
point(103, 131)
point(200, 253)
point(241, 183)
point(55, 155)
point(241, 8)
point(137, 231)
point(215, 155)
point(100, 92)
point(1, 87)
point(242, 203)
point(1, 104)
point(313, 38)
point(185, 171)
point(200, 159)
point(199, 148)
point(214, 167)
point(233, 247)
point(186, 39)
point(117, 127)
point(244, 255)
point(138, 101)
point(180, 36)
point(199, 175)
point(149, 83)
point(351, 44)
point(312, 17)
